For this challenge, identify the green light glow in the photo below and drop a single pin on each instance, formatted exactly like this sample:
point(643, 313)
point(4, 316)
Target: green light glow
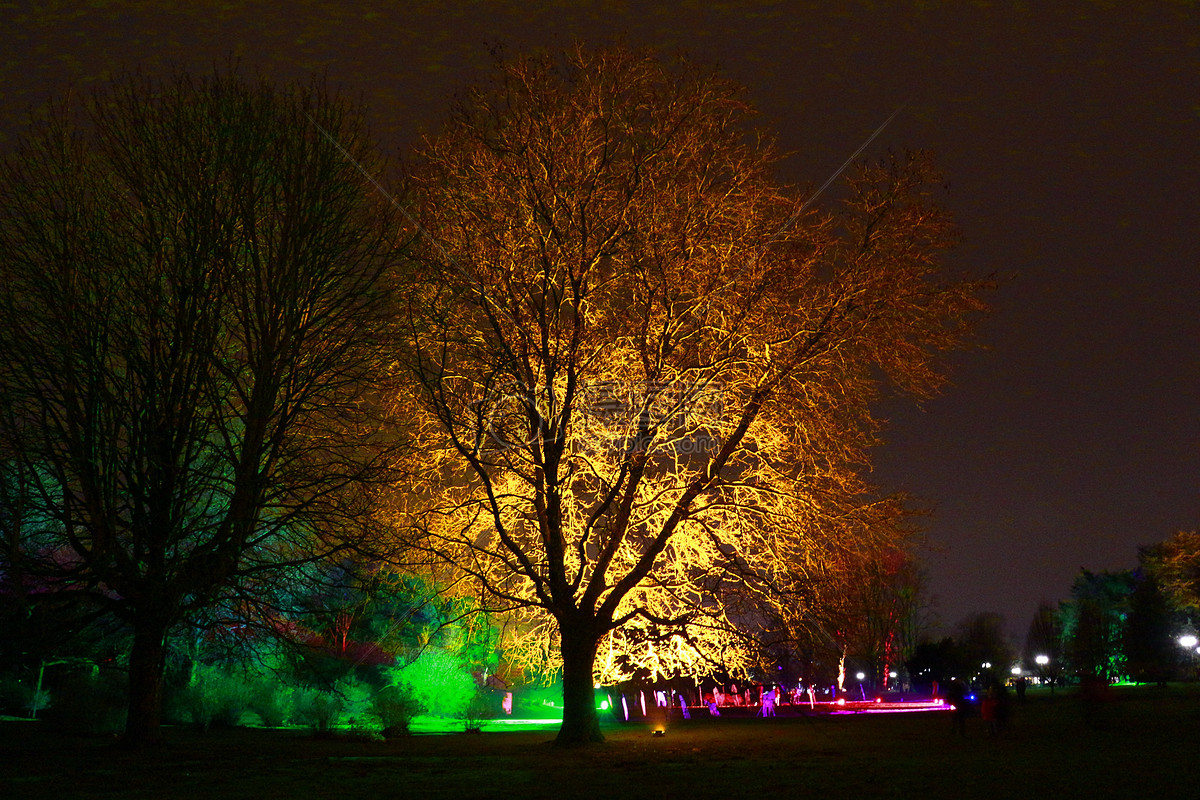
point(441, 725)
point(440, 682)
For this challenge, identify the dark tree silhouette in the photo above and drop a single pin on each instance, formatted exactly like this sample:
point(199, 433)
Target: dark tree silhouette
point(983, 640)
point(1151, 652)
point(1045, 639)
point(195, 301)
point(1094, 623)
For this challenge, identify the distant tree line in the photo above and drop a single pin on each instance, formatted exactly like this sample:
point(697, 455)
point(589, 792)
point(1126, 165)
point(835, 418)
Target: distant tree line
point(1124, 625)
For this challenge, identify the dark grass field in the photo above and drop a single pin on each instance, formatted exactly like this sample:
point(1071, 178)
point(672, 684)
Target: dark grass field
point(1142, 742)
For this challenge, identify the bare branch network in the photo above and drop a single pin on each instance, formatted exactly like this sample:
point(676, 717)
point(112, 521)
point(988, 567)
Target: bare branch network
point(614, 381)
point(643, 372)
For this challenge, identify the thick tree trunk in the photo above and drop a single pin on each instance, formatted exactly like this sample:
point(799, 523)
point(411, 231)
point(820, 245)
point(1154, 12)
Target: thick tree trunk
point(581, 723)
point(147, 662)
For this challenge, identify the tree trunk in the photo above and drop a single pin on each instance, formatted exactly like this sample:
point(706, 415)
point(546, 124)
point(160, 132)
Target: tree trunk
point(147, 662)
point(581, 723)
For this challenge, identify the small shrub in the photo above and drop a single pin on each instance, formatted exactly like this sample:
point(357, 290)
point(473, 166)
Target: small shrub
point(271, 702)
point(480, 708)
point(215, 697)
point(356, 712)
point(316, 710)
point(356, 700)
point(395, 707)
point(90, 702)
point(38, 702)
point(16, 697)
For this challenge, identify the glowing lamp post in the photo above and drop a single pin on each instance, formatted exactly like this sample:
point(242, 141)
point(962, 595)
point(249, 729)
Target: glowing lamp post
point(1043, 662)
point(1189, 641)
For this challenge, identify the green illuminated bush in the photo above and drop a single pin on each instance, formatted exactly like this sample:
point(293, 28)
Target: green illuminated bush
point(356, 711)
point(439, 682)
point(214, 698)
point(19, 699)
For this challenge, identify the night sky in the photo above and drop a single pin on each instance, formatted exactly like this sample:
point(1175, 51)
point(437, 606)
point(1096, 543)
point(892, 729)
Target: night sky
point(1069, 139)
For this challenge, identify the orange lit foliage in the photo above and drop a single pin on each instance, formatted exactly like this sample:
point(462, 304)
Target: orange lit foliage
point(1176, 565)
point(643, 372)
point(869, 605)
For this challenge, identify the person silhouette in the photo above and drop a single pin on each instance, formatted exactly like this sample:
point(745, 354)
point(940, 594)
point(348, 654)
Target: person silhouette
point(768, 702)
point(956, 695)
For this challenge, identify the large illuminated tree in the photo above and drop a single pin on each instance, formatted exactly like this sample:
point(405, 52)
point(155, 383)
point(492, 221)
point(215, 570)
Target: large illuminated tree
point(643, 368)
point(195, 291)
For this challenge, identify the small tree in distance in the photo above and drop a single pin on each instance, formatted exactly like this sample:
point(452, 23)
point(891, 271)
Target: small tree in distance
point(1045, 638)
point(195, 303)
point(643, 371)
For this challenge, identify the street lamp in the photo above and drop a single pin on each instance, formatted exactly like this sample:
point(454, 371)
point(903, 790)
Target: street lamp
point(1189, 641)
point(1043, 661)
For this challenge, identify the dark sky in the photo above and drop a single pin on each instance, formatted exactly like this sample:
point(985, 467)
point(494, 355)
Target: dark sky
point(1069, 139)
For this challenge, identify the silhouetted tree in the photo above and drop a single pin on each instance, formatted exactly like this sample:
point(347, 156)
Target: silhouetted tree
point(195, 301)
point(937, 661)
point(869, 607)
point(1045, 638)
point(1094, 623)
point(1149, 647)
point(983, 639)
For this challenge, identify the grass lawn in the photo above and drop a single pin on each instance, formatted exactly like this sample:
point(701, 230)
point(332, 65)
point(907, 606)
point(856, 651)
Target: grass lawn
point(1142, 742)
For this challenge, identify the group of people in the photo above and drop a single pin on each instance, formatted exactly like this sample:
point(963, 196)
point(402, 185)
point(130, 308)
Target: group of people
point(733, 697)
point(993, 705)
point(767, 698)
